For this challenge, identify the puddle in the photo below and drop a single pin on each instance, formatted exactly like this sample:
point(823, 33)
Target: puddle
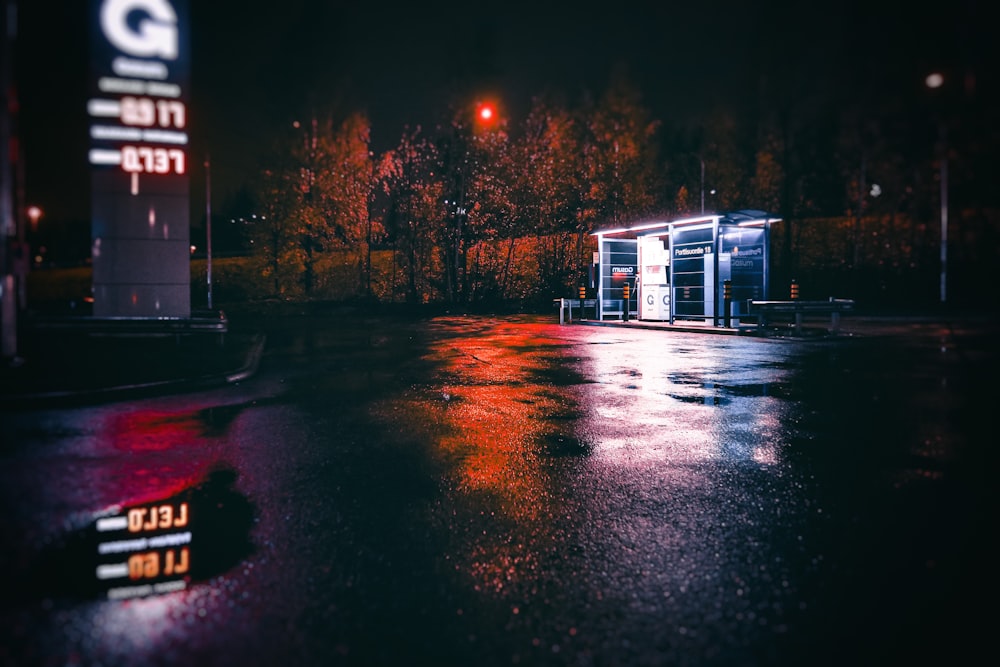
point(146, 549)
point(709, 399)
point(564, 445)
point(715, 393)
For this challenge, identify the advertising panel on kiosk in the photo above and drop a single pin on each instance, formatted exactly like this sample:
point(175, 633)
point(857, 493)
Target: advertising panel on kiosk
point(617, 266)
point(654, 282)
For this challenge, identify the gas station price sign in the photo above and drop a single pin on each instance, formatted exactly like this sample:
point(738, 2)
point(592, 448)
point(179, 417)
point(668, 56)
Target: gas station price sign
point(140, 71)
point(138, 152)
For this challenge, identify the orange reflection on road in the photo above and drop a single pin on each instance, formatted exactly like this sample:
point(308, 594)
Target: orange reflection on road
point(496, 412)
point(486, 420)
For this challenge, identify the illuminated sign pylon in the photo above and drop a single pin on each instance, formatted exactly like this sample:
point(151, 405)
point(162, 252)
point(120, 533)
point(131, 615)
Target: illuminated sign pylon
point(138, 109)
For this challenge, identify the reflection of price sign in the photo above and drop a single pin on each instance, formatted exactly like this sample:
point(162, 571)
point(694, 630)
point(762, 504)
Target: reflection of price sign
point(146, 550)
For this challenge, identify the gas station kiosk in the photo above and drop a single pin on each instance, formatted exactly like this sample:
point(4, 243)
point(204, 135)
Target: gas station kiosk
point(686, 269)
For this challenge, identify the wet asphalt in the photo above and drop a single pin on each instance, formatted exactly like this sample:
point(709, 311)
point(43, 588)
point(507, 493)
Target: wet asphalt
point(499, 490)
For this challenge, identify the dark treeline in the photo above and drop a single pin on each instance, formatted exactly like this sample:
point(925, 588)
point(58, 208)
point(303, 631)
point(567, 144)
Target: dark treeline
point(500, 210)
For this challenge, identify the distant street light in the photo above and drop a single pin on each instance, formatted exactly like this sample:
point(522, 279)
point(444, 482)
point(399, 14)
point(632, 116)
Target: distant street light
point(934, 81)
point(34, 214)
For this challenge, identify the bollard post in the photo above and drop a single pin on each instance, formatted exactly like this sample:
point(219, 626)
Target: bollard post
point(625, 301)
point(727, 297)
point(795, 289)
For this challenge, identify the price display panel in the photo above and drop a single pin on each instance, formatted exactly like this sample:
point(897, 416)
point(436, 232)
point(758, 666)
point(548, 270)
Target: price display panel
point(139, 157)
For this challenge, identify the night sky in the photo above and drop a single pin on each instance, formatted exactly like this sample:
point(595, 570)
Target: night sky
point(256, 67)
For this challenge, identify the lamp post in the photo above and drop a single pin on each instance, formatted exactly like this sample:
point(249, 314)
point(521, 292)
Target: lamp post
point(934, 81)
point(703, 187)
point(208, 228)
point(469, 139)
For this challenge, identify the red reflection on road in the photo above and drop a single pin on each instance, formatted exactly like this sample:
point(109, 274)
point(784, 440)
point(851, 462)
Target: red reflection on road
point(148, 430)
point(169, 449)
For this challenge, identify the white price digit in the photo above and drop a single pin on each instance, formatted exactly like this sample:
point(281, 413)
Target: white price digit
point(138, 111)
point(144, 112)
point(170, 113)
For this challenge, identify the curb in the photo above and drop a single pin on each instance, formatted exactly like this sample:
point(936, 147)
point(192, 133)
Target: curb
point(767, 333)
point(248, 369)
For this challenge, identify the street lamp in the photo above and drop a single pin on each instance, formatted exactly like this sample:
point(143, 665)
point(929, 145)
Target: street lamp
point(34, 214)
point(486, 113)
point(935, 81)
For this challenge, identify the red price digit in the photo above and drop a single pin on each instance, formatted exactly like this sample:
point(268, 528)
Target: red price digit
point(149, 160)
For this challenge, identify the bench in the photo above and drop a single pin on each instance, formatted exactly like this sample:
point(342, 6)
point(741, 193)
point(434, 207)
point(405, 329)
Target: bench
point(568, 305)
point(764, 311)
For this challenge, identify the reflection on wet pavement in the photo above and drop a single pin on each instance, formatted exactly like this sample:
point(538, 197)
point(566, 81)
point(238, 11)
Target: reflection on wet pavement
point(147, 548)
point(660, 415)
point(492, 420)
point(609, 469)
point(503, 490)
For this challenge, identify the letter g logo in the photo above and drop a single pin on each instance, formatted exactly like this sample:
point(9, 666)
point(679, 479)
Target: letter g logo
point(155, 34)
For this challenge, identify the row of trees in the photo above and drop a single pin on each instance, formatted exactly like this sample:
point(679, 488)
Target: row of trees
point(459, 205)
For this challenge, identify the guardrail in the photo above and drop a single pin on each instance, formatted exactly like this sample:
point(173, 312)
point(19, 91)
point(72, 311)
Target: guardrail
point(568, 305)
point(764, 311)
point(216, 323)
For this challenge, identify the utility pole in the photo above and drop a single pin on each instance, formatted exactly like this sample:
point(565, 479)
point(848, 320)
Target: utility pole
point(860, 213)
point(703, 187)
point(936, 81)
point(8, 212)
point(208, 227)
point(944, 212)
